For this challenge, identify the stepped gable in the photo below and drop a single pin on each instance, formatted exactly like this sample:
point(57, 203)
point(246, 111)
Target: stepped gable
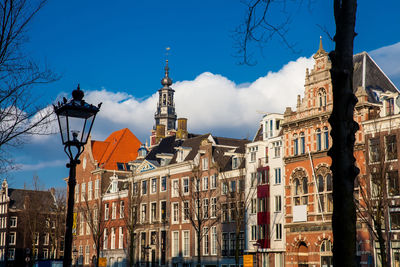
point(120, 146)
point(17, 198)
point(375, 78)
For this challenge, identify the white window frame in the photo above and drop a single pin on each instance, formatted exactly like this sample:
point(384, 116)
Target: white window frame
point(153, 184)
point(205, 183)
point(121, 209)
point(214, 240)
point(186, 245)
point(90, 190)
point(206, 244)
point(278, 203)
point(13, 219)
point(175, 244)
point(161, 179)
point(120, 238)
point(113, 210)
point(112, 238)
point(152, 218)
point(175, 188)
point(106, 211)
point(185, 189)
point(175, 212)
point(143, 212)
point(83, 191)
point(205, 163)
point(278, 229)
point(13, 238)
point(213, 180)
point(96, 188)
point(183, 211)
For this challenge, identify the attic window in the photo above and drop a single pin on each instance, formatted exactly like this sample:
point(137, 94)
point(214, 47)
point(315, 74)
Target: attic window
point(114, 186)
point(120, 166)
point(235, 163)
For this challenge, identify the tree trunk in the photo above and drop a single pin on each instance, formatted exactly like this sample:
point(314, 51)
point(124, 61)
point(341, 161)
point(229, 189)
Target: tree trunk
point(237, 250)
point(343, 135)
point(131, 251)
point(198, 248)
point(382, 245)
point(98, 253)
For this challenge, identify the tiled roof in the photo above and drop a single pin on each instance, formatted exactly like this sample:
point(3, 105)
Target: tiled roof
point(121, 146)
point(43, 198)
point(375, 78)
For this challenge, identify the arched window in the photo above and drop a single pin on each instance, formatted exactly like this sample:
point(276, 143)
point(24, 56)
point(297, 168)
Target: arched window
point(326, 253)
point(305, 191)
point(300, 188)
point(322, 97)
point(319, 145)
point(326, 138)
point(302, 143)
point(297, 191)
point(295, 145)
point(324, 186)
point(320, 180)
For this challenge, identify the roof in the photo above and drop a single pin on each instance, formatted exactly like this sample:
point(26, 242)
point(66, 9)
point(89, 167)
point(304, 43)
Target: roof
point(374, 77)
point(17, 198)
point(121, 146)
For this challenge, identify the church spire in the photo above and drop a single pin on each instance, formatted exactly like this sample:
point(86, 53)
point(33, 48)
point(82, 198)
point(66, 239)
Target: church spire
point(166, 81)
point(321, 51)
point(165, 114)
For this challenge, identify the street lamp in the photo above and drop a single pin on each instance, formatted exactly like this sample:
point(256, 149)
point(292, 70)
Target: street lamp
point(75, 253)
point(75, 118)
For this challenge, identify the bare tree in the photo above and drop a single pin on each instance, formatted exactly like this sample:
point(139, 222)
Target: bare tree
point(20, 115)
point(373, 207)
point(56, 225)
point(237, 201)
point(93, 214)
point(131, 220)
point(343, 125)
point(197, 197)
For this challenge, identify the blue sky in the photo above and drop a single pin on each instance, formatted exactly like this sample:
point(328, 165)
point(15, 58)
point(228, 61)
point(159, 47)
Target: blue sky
point(117, 52)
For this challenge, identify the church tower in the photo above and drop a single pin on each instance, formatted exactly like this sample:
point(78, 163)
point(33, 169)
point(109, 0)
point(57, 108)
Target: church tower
point(165, 114)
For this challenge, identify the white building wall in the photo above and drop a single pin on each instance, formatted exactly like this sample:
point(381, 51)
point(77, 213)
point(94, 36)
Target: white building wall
point(270, 139)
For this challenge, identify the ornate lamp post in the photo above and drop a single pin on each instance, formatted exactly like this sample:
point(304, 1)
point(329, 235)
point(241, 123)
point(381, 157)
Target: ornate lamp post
point(75, 118)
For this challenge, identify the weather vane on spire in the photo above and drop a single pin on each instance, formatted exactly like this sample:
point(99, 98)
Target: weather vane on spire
point(167, 52)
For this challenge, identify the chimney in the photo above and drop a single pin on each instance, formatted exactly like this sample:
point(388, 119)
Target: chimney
point(298, 101)
point(182, 132)
point(160, 132)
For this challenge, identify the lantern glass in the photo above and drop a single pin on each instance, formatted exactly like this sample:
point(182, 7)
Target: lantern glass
point(63, 122)
point(87, 128)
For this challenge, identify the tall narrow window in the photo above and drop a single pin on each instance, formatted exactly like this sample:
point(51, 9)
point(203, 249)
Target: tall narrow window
point(319, 145)
point(302, 143)
point(205, 241)
point(90, 190)
point(322, 98)
point(175, 244)
point(326, 138)
point(112, 238)
point(97, 189)
point(186, 247)
point(214, 240)
point(121, 238)
point(295, 145)
point(391, 147)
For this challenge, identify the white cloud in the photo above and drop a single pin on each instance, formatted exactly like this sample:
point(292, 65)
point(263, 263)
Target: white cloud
point(40, 165)
point(211, 102)
point(387, 58)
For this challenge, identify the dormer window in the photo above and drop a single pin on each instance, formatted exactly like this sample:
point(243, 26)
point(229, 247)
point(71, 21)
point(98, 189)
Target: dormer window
point(114, 186)
point(235, 162)
point(120, 166)
point(389, 106)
